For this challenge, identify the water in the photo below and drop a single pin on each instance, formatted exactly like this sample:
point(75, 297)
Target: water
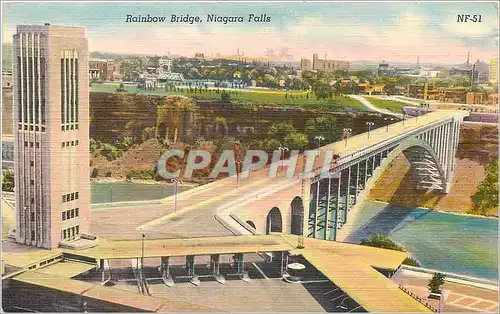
point(127, 191)
point(447, 242)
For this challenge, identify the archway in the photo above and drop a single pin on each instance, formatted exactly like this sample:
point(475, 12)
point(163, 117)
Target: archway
point(274, 222)
point(297, 210)
point(251, 224)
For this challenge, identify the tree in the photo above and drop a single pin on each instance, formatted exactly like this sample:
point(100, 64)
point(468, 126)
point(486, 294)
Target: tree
point(8, 181)
point(436, 282)
point(225, 97)
point(296, 141)
point(386, 243)
point(325, 126)
point(270, 145)
point(128, 142)
point(486, 196)
point(381, 241)
point(280, 130)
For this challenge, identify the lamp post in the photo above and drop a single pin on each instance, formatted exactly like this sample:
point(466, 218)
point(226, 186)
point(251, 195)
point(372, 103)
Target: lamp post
point(347, 132)
point(319, 138)
point(387, 123)
point(142, 255)
point(405, 116)
point(176, 182)
point(369, 124)
point(283, 149)
point(238, 163)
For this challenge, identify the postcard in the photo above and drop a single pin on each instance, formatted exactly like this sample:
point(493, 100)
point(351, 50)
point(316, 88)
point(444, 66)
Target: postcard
point(222, 156)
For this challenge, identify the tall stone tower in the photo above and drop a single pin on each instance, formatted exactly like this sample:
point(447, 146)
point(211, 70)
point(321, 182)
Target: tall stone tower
point(51, 129)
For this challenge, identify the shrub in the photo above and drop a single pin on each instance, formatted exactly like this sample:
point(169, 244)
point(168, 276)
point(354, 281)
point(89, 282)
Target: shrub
point(95, 173)
point(141, 174)
point(382, 242)
point(8, 181)
point(411, 262)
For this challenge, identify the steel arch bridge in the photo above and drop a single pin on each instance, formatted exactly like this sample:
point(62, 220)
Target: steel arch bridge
point(430, 150)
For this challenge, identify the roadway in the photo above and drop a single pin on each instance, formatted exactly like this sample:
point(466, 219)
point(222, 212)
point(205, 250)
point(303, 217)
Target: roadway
point(374, 108)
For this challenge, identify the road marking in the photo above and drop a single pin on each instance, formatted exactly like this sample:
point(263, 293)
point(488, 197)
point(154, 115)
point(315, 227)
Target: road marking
point(260, 271)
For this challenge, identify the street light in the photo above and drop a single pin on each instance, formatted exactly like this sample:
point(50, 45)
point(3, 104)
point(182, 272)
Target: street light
point(387, 123)
point(142, 256)
point(347, 132)
point(319, 138)
point(405, 116)
point(238, 163)
point(369, 124)
point(176, 182)
point(283, 149)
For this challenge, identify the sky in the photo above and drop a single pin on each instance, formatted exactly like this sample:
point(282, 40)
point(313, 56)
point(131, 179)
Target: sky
point(399, 32)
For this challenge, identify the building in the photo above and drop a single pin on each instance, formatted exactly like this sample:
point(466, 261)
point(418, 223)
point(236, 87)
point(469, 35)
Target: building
point(105, 70)
point(51, 135)
point(7, 103)
point(493, 73)
point(306, 64)
point(384, 69)
point(325, 65)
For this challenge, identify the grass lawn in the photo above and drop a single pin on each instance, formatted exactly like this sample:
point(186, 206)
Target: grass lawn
point(249, 96)
point(392, 105)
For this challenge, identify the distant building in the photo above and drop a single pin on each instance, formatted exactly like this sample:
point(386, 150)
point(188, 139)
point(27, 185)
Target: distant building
point(199, 56)
point(7, 152)
point(325, 65)
point(105, 70)
point(306, 64)
point(7, 103)
point(384, 69)
point(493, 75)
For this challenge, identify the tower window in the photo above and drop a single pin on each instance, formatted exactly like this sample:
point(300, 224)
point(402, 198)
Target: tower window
point(32, 235)
point(63, 215)
point(64, 198)
point(76, 195)
point(63, 144)
point(72, 196)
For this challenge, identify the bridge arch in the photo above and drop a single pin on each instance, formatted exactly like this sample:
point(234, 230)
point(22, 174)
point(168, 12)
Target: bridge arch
point(424, 164)
point(274, 222)
point(297, 216)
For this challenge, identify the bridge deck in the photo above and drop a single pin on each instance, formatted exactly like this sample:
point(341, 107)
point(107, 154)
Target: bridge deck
point(377, 136)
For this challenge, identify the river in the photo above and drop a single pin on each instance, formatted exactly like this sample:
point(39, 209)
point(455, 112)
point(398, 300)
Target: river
point(127, 191)
point(459, 244)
